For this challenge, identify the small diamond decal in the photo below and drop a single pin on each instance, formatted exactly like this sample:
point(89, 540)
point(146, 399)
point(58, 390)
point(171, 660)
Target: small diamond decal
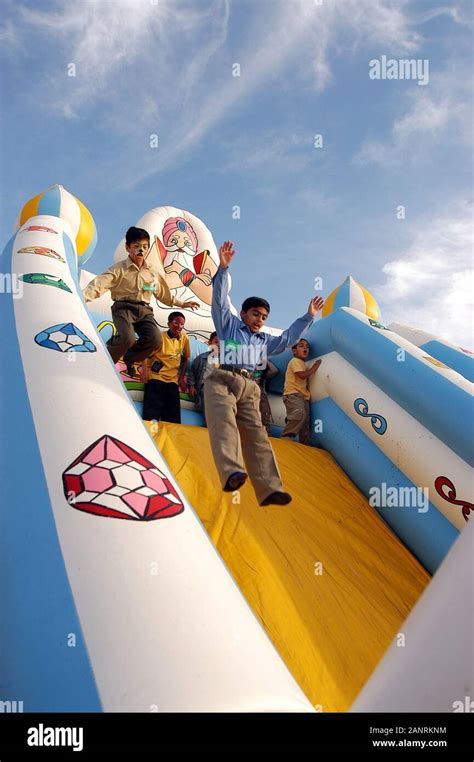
point(65, 337)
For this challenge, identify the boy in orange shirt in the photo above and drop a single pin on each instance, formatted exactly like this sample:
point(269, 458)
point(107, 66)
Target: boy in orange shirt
point(296, 393)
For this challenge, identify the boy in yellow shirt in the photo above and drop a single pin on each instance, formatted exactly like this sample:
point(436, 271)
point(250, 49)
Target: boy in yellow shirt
point(163, 373)
point(296, 393)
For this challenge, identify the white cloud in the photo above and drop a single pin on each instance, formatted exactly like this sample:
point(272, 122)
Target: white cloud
point(457, 13)
point(438, 113)
point(314, 199)
point(425, 116)
point(382, 23)
point(295, 31)
point(431, 284)
point(116, 44)
point(272, 150)
point(177, 56)
point(8, 35)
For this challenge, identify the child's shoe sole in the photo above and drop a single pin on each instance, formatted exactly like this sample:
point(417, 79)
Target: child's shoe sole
point(235, 481)
point(277, 498)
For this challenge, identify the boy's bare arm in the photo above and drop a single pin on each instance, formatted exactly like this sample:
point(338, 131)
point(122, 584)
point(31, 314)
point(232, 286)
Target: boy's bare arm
point(184, 364)
point(144, 371)
point(272, 371)
point(310, 371)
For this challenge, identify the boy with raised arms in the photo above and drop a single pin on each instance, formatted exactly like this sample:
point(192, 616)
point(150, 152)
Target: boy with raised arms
point(232, 396)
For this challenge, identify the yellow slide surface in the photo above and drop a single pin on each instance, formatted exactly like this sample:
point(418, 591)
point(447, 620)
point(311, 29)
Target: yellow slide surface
point(329, 581)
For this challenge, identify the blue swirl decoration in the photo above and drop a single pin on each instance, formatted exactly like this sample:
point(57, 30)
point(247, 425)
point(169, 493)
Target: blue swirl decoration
point(378, 422)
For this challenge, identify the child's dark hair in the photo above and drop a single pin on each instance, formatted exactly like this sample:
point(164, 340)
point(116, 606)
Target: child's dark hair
point(173, 315)
point(136, 234)
point(295, 345)
point(255, 301)
point(213, 335)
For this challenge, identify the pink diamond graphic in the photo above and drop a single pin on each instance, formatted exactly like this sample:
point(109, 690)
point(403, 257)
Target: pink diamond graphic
point(111, 479)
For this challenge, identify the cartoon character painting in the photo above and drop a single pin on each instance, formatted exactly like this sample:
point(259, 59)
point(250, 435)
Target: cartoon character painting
point(184, 253)
point(184, 266)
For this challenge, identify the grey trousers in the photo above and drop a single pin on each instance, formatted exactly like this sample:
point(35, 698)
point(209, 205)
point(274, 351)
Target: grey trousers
point(297, 417)
point(236, 431)
point(130, 318)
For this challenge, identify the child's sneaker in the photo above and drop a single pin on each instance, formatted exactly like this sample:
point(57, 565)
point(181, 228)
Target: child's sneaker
point(235, 481)
point(131, 370)
point(277, 498)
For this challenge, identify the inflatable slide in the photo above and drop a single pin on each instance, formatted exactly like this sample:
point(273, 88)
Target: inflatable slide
point(131, 582)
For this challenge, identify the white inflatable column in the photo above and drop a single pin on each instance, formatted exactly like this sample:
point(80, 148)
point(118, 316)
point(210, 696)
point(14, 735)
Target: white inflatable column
point(431, 669)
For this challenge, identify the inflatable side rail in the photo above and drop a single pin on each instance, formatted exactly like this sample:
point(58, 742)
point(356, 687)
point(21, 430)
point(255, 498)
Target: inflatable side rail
point(397, 421)
point(403, 504)
point(457, 358)
point(114, 597)
point(438, 397)
point(413, 449)
point(413, 411)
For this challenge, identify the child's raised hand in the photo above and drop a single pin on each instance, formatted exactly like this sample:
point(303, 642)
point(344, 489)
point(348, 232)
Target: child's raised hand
point(315, 305)
point(226, 252)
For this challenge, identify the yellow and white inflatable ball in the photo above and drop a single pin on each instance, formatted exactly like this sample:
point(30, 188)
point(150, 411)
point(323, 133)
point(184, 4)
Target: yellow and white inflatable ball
point(352, 294)
point(58, 202)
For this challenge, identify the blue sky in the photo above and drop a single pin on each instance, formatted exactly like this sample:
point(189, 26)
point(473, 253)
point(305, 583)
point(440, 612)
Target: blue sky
point(161, 67)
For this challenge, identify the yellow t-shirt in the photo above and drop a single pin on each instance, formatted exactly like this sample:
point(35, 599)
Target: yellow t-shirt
point(294, 384)
point(170, 354)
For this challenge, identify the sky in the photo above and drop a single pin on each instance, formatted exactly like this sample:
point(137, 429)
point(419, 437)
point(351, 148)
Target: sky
point(384, 195)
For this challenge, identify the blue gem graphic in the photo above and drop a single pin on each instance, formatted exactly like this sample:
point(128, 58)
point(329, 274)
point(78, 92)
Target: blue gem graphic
point(181, 225)
point(65, 337)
